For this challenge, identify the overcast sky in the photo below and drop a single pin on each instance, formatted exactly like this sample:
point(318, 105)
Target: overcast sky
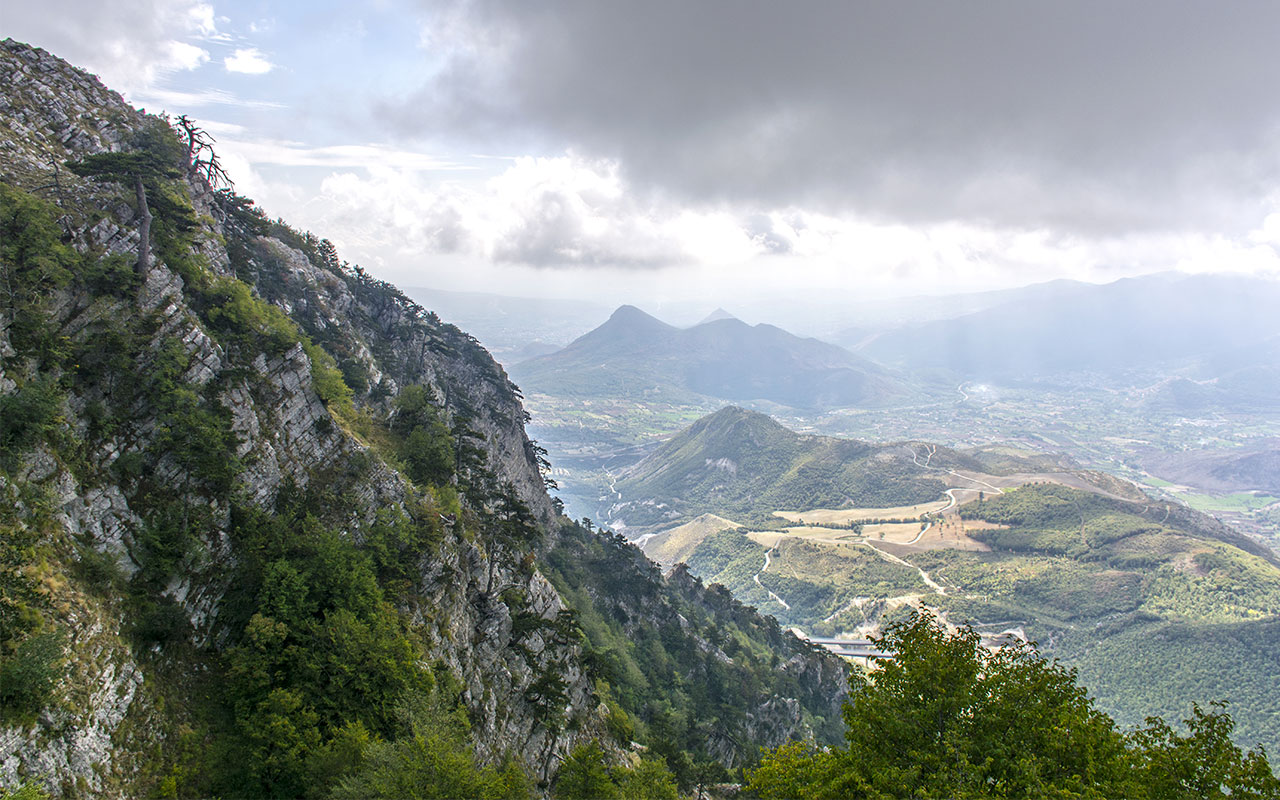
point(648, 150)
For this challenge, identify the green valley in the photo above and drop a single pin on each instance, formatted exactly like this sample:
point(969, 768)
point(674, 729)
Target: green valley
point(838, 538)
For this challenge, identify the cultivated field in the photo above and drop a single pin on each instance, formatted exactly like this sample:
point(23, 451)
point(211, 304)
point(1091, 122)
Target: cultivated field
point(841, 516)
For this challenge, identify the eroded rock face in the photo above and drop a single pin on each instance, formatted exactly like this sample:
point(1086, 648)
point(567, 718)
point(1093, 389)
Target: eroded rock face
point(77, 744)
point(285, 434)
point(413, 347)
point(483, 609)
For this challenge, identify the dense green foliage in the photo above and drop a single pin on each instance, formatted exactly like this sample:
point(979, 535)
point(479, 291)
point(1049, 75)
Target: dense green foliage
point(430, 758)
point(1151, 666)
point(586, 775)
point(426, 446)
point(948, 718)
point(668, 685)
point(321, 649)
point(1156, 609)
point(28, 675)
point(34, 265)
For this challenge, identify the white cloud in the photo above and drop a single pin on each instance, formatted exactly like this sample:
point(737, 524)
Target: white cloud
point(542, 212)
point(130, 44)
point(175, 100)
point(248, 61)
point(185, 56)
point(200, 19)
point(297, 154)
point(569, 213)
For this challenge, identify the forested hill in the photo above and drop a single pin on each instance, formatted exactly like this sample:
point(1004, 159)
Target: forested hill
point(269, 528)
point(738, 462)
point(1158, 606)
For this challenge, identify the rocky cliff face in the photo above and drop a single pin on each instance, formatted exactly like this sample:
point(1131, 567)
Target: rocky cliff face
point(117, 460)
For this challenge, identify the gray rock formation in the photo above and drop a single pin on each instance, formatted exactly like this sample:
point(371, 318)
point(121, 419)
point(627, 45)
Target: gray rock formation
point(106, 714)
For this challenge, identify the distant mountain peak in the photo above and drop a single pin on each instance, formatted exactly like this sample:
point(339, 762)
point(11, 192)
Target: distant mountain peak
point(725, 360)
point(730, 418)
point(628, 312)
point(716, 316)
point(628, 316)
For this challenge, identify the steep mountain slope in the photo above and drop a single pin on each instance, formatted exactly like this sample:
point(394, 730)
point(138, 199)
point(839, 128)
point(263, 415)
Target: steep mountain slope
point(1254, 467)
point(635, 354)
point(265, 518)
point(1135, 323)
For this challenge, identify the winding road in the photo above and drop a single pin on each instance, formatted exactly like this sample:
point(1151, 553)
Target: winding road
point(756, 578)
point(924, 576)
point(933, 448)
point(951, 495)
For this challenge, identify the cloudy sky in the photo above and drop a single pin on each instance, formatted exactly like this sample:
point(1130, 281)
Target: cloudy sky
point(723, 150)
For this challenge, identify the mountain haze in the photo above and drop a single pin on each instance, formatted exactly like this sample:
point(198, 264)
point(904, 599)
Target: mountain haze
point(1151, 322)
point(716, 316)
point(635, 354)
point(512, 328)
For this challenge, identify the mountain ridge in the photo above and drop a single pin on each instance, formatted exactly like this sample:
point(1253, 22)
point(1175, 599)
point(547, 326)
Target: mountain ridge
point(1033, 547)
point(726, 359)
point(1132, 323)
point(274, 504)
point(733, 460)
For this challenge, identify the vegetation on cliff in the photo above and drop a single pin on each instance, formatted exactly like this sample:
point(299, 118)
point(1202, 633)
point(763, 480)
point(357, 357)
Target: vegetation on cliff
point(291, 520)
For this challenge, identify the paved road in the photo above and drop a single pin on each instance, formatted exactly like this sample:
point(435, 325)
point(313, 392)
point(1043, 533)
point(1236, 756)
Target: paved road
point(951, 495)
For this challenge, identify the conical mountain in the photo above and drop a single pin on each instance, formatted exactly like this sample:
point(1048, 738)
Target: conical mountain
point(627, 325)
point(716, 316)
point(634, 354)
point(735, 461)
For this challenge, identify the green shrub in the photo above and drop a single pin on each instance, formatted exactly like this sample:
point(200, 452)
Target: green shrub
point(29, 416)
point(24, 791)
point(28, 677)
point(34, 263)
point(431, 758)
point(100, 571)
point(426, 446)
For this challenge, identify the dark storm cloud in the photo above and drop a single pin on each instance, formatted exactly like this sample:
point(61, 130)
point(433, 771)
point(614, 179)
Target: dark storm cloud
point(1098, 117)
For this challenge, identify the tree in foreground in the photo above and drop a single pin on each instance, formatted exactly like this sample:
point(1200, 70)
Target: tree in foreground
point(585, 775)
point(950, 718)
point(153, 161)
point(433, 759)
